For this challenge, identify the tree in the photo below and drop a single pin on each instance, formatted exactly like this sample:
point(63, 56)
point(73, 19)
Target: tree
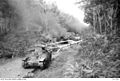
point(6, 17)
point(102, 15)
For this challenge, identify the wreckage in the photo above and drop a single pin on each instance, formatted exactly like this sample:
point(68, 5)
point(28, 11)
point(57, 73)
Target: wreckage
point(38, 59)
point(42, 55)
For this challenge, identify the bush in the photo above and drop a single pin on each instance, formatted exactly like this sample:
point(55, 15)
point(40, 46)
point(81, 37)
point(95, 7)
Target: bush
point(99, 58)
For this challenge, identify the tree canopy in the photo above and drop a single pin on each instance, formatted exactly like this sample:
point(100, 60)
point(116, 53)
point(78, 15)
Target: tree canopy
point(102, 15)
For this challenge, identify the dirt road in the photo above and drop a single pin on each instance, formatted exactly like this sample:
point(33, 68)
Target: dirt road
point(62, 66)
point(13, 69)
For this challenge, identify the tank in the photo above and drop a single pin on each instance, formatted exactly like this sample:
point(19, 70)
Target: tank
point(38, 59)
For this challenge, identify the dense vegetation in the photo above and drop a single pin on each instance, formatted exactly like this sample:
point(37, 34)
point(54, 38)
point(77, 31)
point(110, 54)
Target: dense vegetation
point(102, 54)
point(102, 15)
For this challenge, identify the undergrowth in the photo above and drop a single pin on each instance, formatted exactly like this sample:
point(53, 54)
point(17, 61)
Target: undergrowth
point(99, 57)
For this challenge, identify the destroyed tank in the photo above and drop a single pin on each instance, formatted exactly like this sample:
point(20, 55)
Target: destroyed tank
point(38, 59)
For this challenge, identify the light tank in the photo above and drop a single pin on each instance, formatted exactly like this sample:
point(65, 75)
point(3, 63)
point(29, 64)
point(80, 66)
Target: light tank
point(38, 59)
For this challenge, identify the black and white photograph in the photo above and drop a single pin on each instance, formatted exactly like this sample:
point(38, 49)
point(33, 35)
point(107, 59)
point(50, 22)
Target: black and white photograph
point(59, 39)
